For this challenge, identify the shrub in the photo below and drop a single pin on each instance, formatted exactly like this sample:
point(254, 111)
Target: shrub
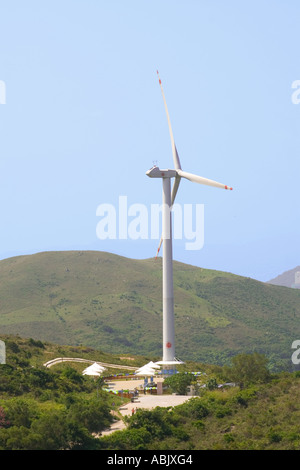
point(3, 420)
point(198, 424)
point(180, 382)
point(157, 422)
point(129, 439)
point(93, 414)
point(21, 412)
point(180, 434)
point(244, 396)
point(228, 437)
point(248, 369)
point(36, 343)
point(194, 408)
point(274, 436)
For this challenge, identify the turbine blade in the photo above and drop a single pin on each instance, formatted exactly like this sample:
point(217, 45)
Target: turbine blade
point(159, 246)
point(174, 149)
point(175, 189)
point(201, 180)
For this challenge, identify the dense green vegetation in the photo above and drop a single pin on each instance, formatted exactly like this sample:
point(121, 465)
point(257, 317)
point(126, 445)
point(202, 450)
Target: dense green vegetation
point(112, 303)
point(179, 383)
point(58, 408)
point(260, 412)
point(259, 417)
point(52, 409)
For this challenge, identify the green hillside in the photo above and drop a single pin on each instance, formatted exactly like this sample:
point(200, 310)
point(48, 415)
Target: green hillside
point(112, 303)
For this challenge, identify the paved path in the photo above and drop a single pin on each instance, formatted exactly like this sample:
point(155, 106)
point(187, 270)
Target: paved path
point(142, 402)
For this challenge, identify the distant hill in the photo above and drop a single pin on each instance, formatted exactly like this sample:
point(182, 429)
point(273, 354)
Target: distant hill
point(113, 303)
point(286, 279)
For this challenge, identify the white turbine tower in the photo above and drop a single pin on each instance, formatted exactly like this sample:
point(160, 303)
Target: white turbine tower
point(169, 360)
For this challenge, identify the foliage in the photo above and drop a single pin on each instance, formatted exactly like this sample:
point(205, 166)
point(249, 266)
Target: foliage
point(195, 409)
point(55, 409)
point(212, 383)
point(136, 439)
point(248, 369)
point(3, 419)
point(51, 431)
point(143, 428)
point(158, 423)
point(47, 409)
point(93, 414)
point(179, 382)
point(33, 427)
point(261, 417)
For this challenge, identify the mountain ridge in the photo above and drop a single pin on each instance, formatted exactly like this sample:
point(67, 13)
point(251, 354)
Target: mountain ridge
point(287, 278)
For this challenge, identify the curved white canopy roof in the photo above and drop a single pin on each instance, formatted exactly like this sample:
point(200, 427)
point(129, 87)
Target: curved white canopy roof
point(94, 369)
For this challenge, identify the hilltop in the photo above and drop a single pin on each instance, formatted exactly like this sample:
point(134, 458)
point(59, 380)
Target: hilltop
point(286, 279)
point(113, 303)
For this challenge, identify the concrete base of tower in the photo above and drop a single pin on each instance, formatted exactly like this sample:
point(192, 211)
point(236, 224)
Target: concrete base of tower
point(169, 367)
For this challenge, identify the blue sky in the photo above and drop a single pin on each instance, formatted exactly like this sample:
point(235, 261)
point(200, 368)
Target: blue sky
point(84, 120)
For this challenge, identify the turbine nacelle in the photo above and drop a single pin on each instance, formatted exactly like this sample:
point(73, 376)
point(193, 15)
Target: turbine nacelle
point(155, 172)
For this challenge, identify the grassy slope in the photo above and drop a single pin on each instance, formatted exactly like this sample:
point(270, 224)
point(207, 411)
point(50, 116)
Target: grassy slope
point(114, 304)
point(37, 353)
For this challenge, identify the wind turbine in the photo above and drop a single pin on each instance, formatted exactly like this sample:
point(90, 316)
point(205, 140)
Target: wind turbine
point(169, 360)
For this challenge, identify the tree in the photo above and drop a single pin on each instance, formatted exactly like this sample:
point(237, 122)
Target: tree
point(212, 383)
point(73, 375)
point(21, 411)
point(93, 414)
point(180, 382)
point(3, 420)
point(248, 369)
point(158, 422)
